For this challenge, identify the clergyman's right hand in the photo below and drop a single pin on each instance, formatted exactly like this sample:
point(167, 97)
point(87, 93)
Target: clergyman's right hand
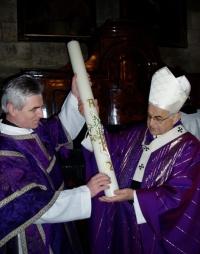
point(97, 183)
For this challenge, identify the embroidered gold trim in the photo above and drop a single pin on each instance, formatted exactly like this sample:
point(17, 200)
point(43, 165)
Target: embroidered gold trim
point(67, 134)
point(41, 146)
point(50, 249)
point(41, 230)
point(21, 192)
point(11, 153)
point(23, 242)
point(42, 233)
point(31, 221)
point(68, 145)
point(31, 136)
point(46, 171)
point(51, 164)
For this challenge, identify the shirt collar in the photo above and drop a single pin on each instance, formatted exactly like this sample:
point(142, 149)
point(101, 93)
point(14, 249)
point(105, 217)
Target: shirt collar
point(13, 130)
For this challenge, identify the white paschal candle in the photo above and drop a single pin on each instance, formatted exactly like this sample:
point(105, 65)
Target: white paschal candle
point(93, 122)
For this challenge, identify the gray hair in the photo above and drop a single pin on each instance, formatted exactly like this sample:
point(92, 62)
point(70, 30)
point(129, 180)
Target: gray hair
point(18, 89)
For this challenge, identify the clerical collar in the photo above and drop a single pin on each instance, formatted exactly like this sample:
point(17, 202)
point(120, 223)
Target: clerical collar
point(5, 121)
point(11, 129)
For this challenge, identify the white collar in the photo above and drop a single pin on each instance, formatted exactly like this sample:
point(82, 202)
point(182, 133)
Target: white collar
point(12, 130)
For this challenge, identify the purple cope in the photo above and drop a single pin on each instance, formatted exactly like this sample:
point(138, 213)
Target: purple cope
point(169, 197)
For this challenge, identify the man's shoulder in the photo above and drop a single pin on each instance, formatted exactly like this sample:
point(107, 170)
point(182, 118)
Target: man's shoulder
point(189, 140)
point(50, 119)
point(47, 122)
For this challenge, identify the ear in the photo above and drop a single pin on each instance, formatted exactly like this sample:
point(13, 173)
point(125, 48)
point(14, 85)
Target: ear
point(11, 109)
point(176, 118)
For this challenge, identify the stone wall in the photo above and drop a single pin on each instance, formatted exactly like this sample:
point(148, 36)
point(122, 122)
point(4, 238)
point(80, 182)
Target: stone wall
point(16, 55)
point(188, 59)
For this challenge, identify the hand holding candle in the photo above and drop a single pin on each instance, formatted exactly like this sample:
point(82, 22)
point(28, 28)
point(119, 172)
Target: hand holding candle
point(93, 122)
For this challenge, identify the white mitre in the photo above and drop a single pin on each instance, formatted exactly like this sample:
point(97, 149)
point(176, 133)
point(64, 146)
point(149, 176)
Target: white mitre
point(167, 92)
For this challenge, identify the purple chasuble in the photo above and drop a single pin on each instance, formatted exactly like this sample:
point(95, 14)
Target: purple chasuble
point(30, 182)
point(169, 197)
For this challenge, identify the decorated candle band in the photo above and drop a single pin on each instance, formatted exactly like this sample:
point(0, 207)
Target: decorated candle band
point(92, 119)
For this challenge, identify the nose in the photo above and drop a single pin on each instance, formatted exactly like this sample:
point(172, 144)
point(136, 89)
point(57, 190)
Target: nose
point(40, 113)
point(151, 121)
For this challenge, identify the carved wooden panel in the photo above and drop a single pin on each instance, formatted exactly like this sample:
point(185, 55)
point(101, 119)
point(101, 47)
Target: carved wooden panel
point(123, 58)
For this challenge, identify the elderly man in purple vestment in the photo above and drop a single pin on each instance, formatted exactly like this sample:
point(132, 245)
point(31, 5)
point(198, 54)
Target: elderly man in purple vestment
point(34, 205)
point(157, 165)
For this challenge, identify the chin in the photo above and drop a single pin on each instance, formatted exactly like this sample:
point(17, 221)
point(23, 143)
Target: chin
point(35, 126)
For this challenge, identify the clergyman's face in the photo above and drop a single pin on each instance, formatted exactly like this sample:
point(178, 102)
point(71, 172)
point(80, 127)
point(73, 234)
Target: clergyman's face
point(156, 128)
point(30, 115)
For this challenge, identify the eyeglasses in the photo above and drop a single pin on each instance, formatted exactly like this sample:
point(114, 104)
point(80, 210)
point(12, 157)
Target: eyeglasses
point(157, 119)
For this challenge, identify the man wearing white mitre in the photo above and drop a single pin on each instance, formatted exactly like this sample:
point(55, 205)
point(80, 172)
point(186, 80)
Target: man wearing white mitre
point(157, 165)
